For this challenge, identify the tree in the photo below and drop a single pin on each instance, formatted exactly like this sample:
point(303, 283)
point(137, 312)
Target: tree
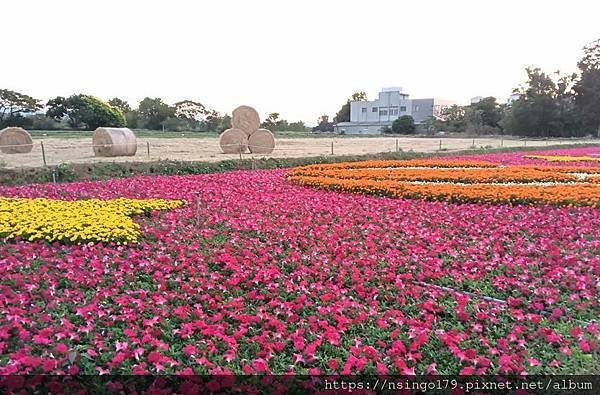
point(489, 111)
point(214, 122)
point(153, 112)
point(14, 104)
point(131, 115)
point(85, 111)
point(190, 110)
point(587, 89)
point(344, 114)
point(324, 125)
point(272, 121)
point(432, 124)
point(120, 104)
point(405, 124)
point(544, 107)
point(454, 118)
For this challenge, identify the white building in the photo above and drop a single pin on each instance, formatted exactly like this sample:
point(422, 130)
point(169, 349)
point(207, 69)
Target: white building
point(371, 117)
point(476, 99)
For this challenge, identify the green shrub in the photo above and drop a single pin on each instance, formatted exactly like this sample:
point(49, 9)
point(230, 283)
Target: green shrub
point(85, 111)
point(404, 124)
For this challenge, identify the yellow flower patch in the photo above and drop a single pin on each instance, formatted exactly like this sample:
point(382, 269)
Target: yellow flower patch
point(76, 221)
point(564, 158)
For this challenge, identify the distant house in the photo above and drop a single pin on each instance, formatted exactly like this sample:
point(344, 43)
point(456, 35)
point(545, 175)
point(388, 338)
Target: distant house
point(513, 98)
point(372, 117)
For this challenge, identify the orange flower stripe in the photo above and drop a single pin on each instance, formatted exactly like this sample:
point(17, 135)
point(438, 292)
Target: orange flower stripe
point(459, 181)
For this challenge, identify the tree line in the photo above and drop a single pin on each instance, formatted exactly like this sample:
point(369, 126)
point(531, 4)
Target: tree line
point(547, 105)
point(85, 112)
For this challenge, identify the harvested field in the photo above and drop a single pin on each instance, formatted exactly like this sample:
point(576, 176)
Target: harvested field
point(79, 150)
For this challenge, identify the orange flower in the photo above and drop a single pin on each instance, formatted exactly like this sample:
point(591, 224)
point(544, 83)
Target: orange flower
point(459, 181)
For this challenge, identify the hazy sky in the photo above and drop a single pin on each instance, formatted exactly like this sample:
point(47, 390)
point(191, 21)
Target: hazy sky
point(300, 58)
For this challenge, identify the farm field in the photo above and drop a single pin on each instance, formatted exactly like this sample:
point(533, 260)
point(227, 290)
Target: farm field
point(389, 267)
point(70, 149)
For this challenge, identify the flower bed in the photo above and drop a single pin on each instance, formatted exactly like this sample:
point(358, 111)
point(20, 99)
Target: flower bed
point(459, 181)
point(260, 275)
point(75, 221)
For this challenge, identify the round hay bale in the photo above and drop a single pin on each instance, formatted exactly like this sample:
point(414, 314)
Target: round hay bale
point(114, 142)
point(261, 142)
point(15, 141)
point(233, 141)
point(246, 119)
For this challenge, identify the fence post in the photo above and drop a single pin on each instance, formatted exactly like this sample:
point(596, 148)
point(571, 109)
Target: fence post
point(502, 141)
point(473, 143)
point(332, 148)
point(525, 142)
point(43, 152)
point(397, 148)
point(148, 148)
point(440, 144)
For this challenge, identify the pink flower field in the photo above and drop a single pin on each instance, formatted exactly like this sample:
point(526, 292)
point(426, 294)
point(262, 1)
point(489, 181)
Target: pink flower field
point(257, 275)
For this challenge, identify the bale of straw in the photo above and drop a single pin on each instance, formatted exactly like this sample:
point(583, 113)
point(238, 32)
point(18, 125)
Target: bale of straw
point(114, 142)
point(15, 141)
point(261, 142)
point(246, 119)
point(233, 141)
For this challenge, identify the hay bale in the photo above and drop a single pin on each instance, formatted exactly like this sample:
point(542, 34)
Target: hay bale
point(261, 142)
point(114, 142)
point(246, 119)
point(15, 141)
point(233, 141)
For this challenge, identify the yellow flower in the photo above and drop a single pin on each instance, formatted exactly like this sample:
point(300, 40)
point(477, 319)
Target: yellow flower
point(76, 221)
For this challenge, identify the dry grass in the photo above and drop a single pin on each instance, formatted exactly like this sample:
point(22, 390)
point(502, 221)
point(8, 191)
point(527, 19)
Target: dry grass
point(76, 150)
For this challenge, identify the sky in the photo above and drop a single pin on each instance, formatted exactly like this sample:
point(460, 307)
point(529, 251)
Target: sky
point(299, 58)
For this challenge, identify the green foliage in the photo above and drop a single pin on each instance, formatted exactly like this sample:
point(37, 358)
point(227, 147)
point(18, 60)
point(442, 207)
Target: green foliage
point(587, 89)
point(190, 110)
point(431, 125)
point(120, 104)
point(131, 119)
point(545, 108)
point(83, 111)
point(324, 125)
point(344, 114)
point(454, 119)
point(405, 124)
point(42, 122)
point(274, 123)
point(486, 112)
point(153, 112)
point(215, 122)
point(175, 124)
point(13, 105)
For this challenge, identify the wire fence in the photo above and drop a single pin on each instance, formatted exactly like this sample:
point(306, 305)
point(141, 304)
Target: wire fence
point(52, 152)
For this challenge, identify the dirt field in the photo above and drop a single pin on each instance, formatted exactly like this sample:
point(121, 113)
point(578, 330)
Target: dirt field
point(79, 150)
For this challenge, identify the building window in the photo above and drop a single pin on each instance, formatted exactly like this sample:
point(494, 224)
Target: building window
point(383, 112)
point(394, 110)
point(403, 108)
point(364, 110)
point(375, 109)
point(416, 108)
